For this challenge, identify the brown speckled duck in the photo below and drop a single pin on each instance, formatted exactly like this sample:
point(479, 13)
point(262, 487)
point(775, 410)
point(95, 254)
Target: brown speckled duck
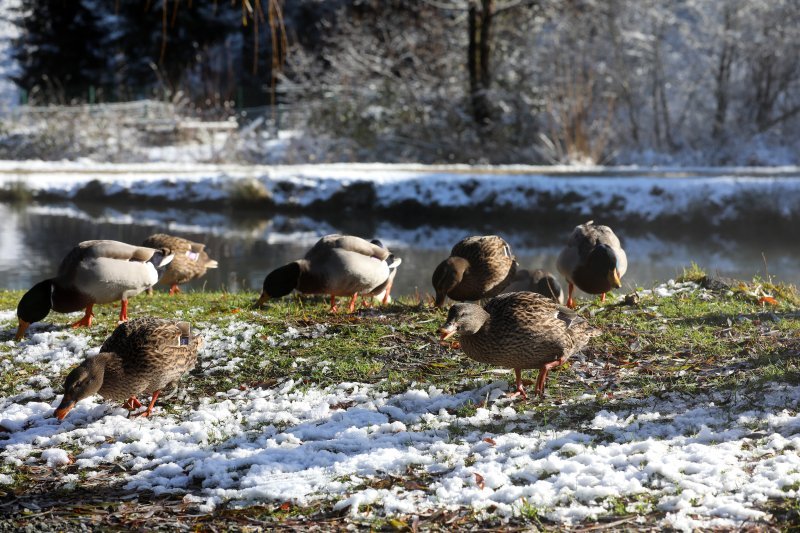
point(191, 260)
point(593, 260)
point(339, 265)
point(94, 272)
point(539, 281)
point(478, 267)
point(518, 330)
point(142, 356)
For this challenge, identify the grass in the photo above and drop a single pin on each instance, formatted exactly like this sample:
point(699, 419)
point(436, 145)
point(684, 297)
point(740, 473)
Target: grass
point(733, 342)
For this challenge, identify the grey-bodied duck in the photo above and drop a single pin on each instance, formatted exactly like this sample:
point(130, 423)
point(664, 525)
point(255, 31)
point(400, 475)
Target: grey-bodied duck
point(94, 272)
point(338, 265)
point(191, 260)
point(142, 356)
point(518, 330)
point(478, 267)
point(593, 260)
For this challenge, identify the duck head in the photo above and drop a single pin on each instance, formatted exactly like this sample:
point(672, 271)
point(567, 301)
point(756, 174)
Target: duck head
point(34, 306)
point(446, 276)
point(84, 381)
point(465, 319)
point(602, 262)
point(280, 282)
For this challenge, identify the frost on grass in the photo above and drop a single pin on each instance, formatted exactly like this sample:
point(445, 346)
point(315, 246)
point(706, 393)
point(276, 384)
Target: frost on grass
point(705, 460)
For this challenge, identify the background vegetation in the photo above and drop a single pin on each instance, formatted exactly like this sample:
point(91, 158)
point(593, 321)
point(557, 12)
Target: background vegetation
point(497, 81)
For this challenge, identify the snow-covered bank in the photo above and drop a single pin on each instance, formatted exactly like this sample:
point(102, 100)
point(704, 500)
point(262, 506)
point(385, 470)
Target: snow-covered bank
point(648, 194)
point(709, 459)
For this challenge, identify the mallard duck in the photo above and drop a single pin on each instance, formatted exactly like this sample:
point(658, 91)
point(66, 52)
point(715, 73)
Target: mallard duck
point(339, 265)
point(94, 272)
point(518, 330)
point(478, 267)
point(539, 281)
point(593, 260)
point(142, 356)
point(191, 260)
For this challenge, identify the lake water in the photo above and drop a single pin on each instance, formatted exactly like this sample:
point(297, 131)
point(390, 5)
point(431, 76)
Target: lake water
point(34, 238)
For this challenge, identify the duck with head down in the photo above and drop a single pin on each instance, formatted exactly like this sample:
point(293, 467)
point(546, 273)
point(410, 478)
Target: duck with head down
point(478, 267)
point(338, 265)
point(593, 260)
point(518, 330)
point(94, 272)
point(142, 356)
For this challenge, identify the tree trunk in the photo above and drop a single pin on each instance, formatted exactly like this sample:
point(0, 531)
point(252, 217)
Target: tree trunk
point(478, 52)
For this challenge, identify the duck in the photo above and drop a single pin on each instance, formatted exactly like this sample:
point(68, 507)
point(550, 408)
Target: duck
point(592, 260)
point(518, 330)
point(538, 281)
point(142, 356)
point(478, 267)
point(93, 272)
point(191, 260)
point(338, 265)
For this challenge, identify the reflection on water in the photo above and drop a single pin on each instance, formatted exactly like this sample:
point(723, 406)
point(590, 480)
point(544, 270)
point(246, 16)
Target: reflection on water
point(33, 240)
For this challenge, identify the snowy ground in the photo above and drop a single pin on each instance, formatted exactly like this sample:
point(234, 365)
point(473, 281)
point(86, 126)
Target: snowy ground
point(703, 460)
point(627, 192)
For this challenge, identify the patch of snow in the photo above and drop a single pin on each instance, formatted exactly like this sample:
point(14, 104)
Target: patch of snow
point(705, 460)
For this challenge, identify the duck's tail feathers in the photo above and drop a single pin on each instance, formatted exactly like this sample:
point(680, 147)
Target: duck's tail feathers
point(161, 258)
point(212, 263)
point(393, 261)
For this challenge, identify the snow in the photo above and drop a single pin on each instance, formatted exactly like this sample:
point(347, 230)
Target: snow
point(8, 66)
point(645, 193)
point(707, 460)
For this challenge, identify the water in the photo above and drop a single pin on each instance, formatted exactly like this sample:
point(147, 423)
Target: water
point(34, 238)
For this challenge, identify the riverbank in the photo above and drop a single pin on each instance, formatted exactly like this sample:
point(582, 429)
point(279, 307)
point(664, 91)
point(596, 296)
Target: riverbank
point(706, 196)
point(683, 413)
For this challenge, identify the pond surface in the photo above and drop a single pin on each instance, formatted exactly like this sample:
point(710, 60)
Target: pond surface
point(34, 238)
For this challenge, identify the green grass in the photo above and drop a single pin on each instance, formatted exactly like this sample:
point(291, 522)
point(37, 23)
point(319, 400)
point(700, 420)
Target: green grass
point(732, 342)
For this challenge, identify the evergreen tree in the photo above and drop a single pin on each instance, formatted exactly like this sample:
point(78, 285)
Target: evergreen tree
point(59, 50)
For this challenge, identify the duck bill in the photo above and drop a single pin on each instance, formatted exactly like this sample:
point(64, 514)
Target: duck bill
point(262, 299)
point(614, 280)
point(63, 409)
point(447, 332)
point(21, 329)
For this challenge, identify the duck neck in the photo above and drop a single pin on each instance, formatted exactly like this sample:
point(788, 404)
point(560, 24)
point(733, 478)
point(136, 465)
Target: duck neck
point(109, 367)
point(67, 299)
point(309, 282)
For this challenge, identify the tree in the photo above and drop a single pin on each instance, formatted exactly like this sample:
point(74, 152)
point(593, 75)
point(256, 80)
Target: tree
point(59, 50)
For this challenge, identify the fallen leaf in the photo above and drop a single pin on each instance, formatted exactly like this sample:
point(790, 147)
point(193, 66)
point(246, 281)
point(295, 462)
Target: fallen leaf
point(285, 506)
point(235, 310)
point(768, 300)
point(399, 525)
point(479, 481)
point(490, 441)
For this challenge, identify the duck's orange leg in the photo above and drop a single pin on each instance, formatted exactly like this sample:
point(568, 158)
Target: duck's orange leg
point(147, 412)
point(333, 308)
point(366, 300)
point(87, 318)
point(543, 374)
point(570, 301)
point(174, 289)
point(519, 390)
point(603, 297)
point(387, 292)
point(132, 403)
point(352, 306)
point(123, 311)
